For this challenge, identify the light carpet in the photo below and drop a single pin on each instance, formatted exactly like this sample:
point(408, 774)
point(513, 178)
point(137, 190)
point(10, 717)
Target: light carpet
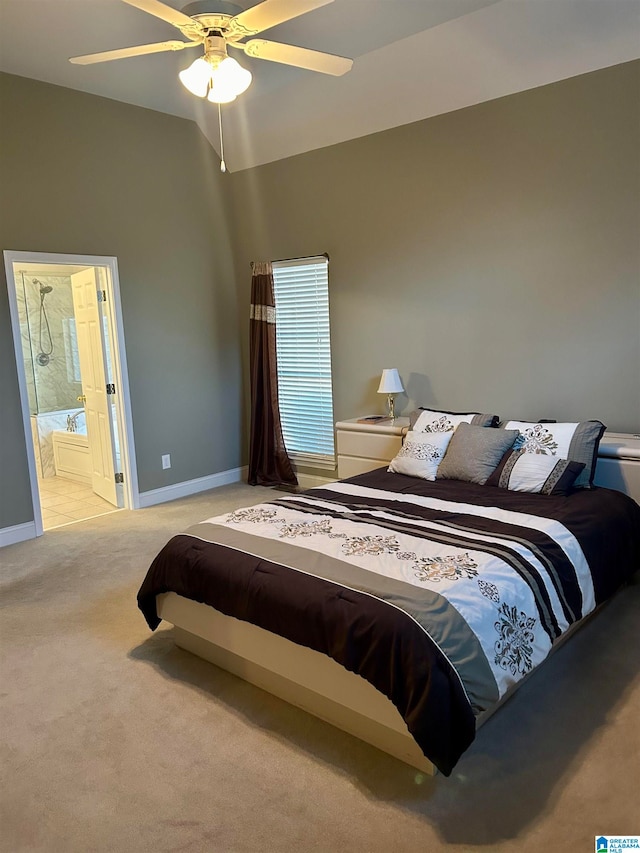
point(115, 740)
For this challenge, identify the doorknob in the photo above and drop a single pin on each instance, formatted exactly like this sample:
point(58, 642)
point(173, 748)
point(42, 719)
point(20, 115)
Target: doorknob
point(81, 399)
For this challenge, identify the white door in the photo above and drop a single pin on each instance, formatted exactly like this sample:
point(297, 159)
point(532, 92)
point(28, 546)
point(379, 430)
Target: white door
point(91, 354)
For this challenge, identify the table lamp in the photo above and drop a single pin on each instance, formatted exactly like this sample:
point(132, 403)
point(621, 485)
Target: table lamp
point(390, 384)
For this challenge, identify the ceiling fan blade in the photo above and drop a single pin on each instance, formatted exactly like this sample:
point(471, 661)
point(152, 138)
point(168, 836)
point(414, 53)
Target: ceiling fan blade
point(166, 13)
point(124, 52)
point(269, 14)
point(300, 57)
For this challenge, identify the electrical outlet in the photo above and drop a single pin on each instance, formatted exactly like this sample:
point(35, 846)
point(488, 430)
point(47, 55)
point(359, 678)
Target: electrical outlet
point(166, 460)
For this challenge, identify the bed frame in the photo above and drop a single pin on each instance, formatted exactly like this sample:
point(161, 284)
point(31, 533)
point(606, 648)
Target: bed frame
point(314, 682)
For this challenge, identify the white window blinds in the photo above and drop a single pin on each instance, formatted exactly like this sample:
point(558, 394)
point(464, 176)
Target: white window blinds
point(304, 359)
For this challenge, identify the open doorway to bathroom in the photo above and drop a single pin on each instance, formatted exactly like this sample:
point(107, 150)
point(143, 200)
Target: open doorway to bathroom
point(73, 385)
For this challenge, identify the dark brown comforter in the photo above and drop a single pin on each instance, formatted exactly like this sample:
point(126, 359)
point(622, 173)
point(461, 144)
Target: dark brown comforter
point(440, 604)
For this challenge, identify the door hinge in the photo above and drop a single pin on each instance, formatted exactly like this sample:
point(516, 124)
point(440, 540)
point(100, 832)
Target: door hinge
point(102, 296)
point(111, 388)
point(119, 478)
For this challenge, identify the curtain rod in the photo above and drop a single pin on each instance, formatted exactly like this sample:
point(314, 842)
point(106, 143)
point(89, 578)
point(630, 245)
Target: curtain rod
point(303, 258)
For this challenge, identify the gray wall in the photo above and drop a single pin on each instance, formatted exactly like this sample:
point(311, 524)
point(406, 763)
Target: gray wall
point(490, 254)
point(86, 175)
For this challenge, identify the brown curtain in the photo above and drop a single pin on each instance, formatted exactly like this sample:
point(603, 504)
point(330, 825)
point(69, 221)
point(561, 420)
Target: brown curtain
point(269, 464)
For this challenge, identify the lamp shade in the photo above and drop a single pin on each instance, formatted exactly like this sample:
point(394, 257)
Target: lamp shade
point(228, 80)
point(196, 77)
point(390, 382)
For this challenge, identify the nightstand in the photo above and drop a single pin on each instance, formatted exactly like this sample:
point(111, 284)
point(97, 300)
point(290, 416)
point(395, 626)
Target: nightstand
point(363, 447)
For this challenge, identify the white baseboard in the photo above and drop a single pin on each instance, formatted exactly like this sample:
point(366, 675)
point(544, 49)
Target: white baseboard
point(191, 487)
point(22, 532)
point(17, 533)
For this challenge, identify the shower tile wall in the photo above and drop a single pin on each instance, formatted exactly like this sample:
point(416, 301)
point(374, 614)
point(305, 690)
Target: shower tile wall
point(54, 386)
point(25, 340)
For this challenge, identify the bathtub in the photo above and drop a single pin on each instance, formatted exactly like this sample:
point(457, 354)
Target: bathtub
point(71, 455)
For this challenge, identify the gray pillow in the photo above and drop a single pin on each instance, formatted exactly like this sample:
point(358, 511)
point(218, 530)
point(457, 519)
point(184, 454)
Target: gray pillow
point(474, 453)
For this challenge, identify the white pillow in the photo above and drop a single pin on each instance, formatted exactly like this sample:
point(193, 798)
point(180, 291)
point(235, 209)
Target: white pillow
point(431, 422)
point(520, 471)
point(577, 442)
point(421, 454)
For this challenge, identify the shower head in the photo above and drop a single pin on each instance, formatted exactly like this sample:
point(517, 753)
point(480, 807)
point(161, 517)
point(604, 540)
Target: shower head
point(44, 288)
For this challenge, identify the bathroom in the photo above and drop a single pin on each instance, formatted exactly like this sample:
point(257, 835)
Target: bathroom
point(56, 398)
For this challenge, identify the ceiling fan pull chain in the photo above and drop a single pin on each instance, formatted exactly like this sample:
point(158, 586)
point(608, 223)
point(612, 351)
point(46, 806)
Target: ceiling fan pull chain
point(223, 167)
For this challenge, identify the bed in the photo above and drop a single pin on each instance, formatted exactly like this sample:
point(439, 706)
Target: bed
point(402, 610)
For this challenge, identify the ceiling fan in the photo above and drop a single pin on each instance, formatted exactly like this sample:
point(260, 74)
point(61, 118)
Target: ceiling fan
point(217, 25)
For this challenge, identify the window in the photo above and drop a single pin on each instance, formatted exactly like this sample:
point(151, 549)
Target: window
point(304, 359)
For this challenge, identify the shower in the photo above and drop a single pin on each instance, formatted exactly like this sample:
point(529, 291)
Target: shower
point(46, 349)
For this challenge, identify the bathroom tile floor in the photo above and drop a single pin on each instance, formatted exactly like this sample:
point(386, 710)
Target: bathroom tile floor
point(65, 501)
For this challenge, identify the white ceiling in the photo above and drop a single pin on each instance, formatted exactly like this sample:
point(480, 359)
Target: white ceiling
point(413, 59)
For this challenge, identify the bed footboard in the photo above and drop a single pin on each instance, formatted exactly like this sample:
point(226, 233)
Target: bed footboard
point(302, 677)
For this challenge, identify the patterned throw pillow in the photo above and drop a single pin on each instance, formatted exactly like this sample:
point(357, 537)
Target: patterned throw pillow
point(520, 471)
point(431, 420)
point(577, 442)
point(421, 454)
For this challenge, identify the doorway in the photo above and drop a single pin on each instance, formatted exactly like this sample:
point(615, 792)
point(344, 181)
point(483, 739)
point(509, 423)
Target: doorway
point(69, 345)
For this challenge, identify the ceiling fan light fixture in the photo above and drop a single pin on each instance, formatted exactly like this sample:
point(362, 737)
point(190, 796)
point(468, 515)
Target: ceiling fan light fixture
point(196, 77)
point(216, 75)
point(228, 81)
